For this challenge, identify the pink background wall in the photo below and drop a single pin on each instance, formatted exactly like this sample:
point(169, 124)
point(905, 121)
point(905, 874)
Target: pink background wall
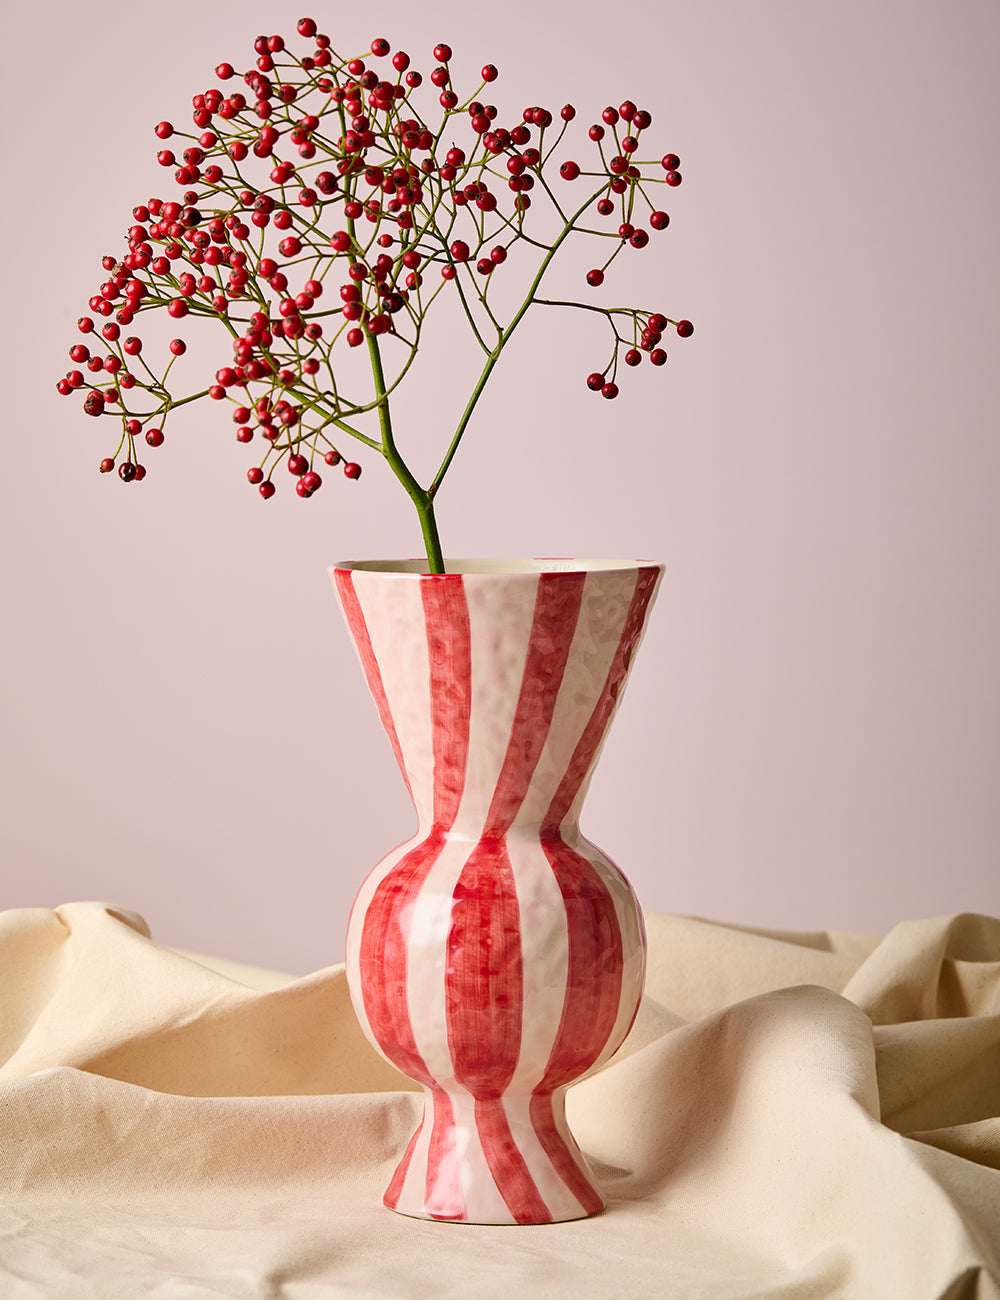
point(811, 738)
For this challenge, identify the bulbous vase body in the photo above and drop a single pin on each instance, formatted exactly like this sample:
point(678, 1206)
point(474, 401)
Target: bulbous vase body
point(497, 956)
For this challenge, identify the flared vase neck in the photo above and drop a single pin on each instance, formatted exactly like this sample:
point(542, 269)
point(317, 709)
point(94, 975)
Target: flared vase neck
point(496, 690)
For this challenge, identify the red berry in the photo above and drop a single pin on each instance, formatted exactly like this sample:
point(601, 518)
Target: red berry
point(442, 53)
point(266, 489)
point(673, 178)
point(685, 329)
point(351, 470)
point(178, 347)
point(164, 130)
point(126, 471)
point(670, 162)
point(595, 277)
point(632, 357)
point(306, 27)
point(595, 382)
point(154, 437)
point(106, 465)
point(639, 239)
point(490, 73)
point(659, 220)
point(658, 357)
point(93, 403)
point(380, 47)
point(567, 112)
point(610, 115)
point(332, 457)
point(569, 171)
point(460, 251)
point(609, 390)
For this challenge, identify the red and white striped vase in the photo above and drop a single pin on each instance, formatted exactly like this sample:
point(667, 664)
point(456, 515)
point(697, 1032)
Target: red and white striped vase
point(497, 956)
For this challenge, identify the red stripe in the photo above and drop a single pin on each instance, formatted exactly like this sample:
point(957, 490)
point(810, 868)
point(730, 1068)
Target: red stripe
point(359, 631)
point(395, 1188)
point(449, 649)
point(484, 980)
point(594, 732)
point(449, 654)
point(563, 1160)
point(595, 965)
point(557, 607)
point(517, 1187)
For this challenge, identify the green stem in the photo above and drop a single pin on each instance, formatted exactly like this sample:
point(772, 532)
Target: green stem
point(421, 498)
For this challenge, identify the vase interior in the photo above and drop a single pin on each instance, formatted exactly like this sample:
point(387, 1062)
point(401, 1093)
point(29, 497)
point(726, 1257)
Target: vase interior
point(493, 566)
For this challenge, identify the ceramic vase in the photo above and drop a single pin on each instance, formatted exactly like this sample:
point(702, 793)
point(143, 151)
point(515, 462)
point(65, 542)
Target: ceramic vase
point(497, 956)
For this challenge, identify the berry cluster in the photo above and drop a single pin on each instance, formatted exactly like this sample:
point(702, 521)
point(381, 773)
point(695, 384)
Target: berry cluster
point(320, 209)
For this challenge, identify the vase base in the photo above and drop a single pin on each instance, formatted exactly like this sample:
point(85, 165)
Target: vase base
point(508, 1222)
point(499, 1160)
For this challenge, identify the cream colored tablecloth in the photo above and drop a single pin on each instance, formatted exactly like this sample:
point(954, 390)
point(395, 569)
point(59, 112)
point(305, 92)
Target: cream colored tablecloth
point(792, 1116)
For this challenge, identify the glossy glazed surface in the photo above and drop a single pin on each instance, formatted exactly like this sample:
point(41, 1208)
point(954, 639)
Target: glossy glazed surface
point(497, 956)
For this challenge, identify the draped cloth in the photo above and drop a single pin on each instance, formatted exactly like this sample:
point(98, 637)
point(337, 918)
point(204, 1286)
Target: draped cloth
point(792, 1116)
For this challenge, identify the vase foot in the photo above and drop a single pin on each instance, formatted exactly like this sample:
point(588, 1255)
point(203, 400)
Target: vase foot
point(498, 1160)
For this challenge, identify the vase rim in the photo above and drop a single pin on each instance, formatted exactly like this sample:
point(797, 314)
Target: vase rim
point(495, 567)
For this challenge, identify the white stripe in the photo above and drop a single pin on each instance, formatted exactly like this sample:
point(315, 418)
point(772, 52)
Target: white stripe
point(429, 924)
point(394, 613)
point(545, 957)
point(500, 618)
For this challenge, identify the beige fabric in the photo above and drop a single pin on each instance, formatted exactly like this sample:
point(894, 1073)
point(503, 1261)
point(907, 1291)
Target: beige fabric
point(176, 1131)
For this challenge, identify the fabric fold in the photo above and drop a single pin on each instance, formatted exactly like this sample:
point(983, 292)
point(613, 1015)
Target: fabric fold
point(169, 1130)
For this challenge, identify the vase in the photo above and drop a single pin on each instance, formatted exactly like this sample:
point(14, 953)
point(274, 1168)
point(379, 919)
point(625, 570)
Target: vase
point(497, 956)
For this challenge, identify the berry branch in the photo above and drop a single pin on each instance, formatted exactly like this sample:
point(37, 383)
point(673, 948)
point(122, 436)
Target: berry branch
point(323, 177)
